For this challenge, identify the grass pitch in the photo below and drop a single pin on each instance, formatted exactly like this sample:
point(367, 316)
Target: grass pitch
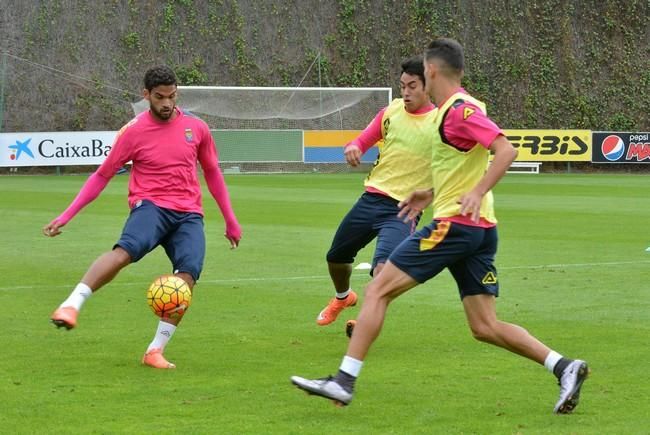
point(572, 266)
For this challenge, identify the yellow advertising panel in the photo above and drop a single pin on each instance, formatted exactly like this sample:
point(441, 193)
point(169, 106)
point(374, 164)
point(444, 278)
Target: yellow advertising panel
point(551, 145)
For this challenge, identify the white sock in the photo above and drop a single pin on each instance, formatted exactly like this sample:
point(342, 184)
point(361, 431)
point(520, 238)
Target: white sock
point(78, 296)
point(344, 294)
point(351, 366)
point(163, 335)
point(551, 359)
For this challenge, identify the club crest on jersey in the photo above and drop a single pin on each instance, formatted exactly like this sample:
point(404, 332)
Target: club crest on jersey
point(489, 278)
point(188, 135)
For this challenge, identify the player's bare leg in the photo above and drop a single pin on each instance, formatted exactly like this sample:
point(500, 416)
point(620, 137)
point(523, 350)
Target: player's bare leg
point(381, 291)
point(377, 270)
point(481, 315)
point(101, 272)
point(340, 274)
point(105, 268)
point(350, 324)
point(385, 287)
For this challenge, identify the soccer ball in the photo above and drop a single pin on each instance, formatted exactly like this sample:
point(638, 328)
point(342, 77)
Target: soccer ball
point(169, 296)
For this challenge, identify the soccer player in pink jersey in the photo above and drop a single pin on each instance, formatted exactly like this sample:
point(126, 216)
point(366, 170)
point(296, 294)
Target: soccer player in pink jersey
point(462, 237)
point(403, 165)
point(164, 145)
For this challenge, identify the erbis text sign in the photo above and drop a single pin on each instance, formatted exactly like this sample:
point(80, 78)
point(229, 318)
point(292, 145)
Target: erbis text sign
point(551, 145)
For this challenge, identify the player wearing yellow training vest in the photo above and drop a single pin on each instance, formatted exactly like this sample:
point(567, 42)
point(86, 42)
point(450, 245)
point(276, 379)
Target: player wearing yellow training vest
point(403, 133)
point(404, 160)
point(458, 165)
point(462, 237)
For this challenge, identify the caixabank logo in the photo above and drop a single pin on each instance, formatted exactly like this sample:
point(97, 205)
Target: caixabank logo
point(621, 147)
point(20, 148)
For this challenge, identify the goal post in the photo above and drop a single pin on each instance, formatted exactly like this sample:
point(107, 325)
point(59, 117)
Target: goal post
point(280, 129)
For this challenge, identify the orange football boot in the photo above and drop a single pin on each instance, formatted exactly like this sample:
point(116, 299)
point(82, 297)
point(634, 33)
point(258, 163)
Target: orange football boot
point(65, 317)
point(335, 306)
point(155, 359)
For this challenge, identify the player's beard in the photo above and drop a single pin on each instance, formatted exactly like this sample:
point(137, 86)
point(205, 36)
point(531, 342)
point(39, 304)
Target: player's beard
point(162, 114)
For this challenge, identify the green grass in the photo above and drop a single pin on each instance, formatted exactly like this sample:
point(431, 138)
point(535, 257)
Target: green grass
point(573, 270)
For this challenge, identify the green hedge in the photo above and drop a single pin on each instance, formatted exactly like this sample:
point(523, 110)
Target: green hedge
point(538, 64)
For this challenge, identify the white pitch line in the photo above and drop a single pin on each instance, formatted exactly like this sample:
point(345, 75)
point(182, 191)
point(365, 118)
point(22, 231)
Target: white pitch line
point(211, 281)
point(322, 277)
point(545, 266)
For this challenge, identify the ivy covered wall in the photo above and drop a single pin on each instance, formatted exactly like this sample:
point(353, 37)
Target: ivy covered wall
point(538, 64)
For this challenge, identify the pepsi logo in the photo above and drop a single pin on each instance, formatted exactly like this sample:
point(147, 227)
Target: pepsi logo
point(613, 147)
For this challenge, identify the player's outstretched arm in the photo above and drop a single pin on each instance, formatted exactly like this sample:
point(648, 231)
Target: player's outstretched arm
point(414, 204)
point(504, 155)
point(90, 190)
point(219, 191)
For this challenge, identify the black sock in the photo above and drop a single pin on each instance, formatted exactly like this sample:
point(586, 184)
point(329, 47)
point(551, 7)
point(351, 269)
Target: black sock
point(560, 366)
point(345, 380)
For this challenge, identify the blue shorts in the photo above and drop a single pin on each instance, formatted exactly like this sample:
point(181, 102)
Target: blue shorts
point(467, 251)
point(373, 215)
point(180, 233)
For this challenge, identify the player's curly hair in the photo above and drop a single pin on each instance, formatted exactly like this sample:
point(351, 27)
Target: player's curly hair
point(159, 75)
point(414, 66)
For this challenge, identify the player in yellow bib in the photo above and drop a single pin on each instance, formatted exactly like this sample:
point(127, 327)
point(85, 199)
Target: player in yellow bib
point(402, 134)
point(462, 237)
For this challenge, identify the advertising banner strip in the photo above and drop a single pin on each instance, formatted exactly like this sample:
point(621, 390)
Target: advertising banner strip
point(551, 145)
point(55, 148)
point(91, 147)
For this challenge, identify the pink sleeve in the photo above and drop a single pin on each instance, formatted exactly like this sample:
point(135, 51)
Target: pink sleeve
point(371, 134)
point(466, 124)
point(208, 157)
point(207, 154)
point(119, 154)
point(90, 190)
point(219, 191)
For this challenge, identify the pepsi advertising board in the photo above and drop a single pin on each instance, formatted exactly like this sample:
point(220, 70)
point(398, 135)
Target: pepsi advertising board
point(620, 147)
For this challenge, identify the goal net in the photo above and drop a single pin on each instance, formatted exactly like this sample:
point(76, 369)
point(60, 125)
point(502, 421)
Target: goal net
point(273, 129)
